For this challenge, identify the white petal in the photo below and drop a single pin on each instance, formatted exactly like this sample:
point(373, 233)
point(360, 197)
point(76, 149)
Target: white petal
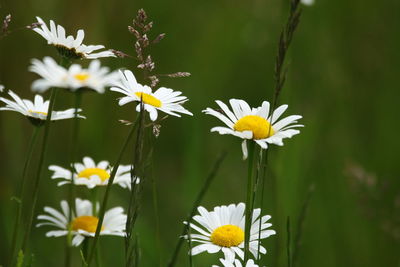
point(277, 113)
point(220, 116)
point(77, 240)
point(244, 149)
point(210, 248)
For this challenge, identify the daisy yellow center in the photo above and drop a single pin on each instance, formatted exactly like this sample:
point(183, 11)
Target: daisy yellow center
point(89, 172)
point(227, 236)
point(38, 112)
point(260, 127)
point(86, 223)
point(82, 77)
point(149, 99)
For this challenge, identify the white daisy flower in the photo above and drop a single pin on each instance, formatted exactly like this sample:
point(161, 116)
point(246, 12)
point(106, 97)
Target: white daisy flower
point(224, 229)
point(236, 263)
point(94, 77)
point(37, 110)
point(257, 124)
point(68, 46)
point(83, 223)
point(163, 99)
point(90, 174)
point(53, 75)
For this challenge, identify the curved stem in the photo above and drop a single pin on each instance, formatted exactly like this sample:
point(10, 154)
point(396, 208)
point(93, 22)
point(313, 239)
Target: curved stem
point(39, 169)
point(107, 193)
point(249, 200)
point(20, 198)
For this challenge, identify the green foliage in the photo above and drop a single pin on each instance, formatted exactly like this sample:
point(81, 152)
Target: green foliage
point(342, 78)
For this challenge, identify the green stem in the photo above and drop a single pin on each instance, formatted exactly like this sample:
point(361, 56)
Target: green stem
point(71, 191)
point(74, 150)
point(20, 198)
point(98, 258)
point(190, 248)
point(157, 217)
point(249, 200)
point(137, 252)
point(65, 62)
point(135, 189)
point(85, 250)
point(68, 252)
point(107, 193)
point(288, 243)
point(94, 201)
point(263, 176)
point(39, 169)
point(196, 203)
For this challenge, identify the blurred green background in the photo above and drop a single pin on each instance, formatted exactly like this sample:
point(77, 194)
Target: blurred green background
point(343, 79)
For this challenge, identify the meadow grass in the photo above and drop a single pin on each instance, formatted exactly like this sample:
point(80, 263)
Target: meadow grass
point(319, 213)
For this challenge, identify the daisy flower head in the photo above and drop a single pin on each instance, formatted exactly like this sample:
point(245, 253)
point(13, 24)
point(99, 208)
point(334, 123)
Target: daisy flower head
point(53, 75)
point(236, 263)
point(95, 77)
point(90, 174)
point(257, 124)
point(163, 99)
point(84, 222)
point(224, 229)
point(35, 111)
point(68, 46)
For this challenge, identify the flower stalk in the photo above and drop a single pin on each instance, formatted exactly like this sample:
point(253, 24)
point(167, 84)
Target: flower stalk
point(39, 170)
point(71, 191)
point(107, 193)
point(20, 198)
point(250, 195)
point(263, 164)
point(135, 189)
